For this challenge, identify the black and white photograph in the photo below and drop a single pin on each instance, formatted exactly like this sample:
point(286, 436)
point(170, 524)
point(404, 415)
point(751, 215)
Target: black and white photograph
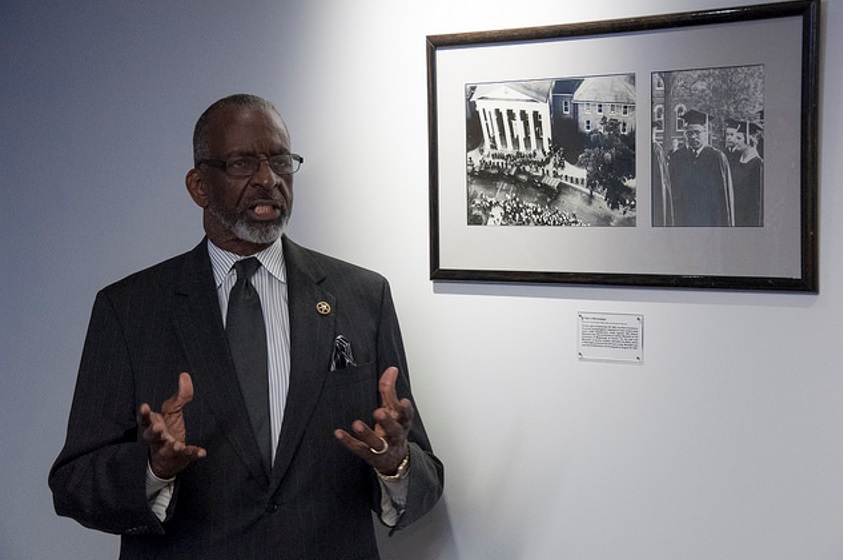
point(557, 152)
point(676, 151)
point(708, 146)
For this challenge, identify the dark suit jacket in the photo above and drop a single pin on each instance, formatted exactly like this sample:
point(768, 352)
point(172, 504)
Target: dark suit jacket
point(317, 503)
point(702, 188)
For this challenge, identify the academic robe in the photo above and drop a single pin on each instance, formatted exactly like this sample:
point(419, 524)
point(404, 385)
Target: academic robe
point(702, 188)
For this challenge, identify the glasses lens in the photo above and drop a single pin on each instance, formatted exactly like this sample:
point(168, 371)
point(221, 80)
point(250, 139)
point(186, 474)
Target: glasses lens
point(284, 164)
point(242, 166)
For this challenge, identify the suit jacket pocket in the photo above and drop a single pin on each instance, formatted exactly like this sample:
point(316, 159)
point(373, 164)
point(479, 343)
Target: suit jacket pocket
point(349, 394)
point(352, 374)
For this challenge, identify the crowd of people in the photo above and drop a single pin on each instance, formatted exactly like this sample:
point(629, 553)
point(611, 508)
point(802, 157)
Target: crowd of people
point(533, 163)
point(513, 211)
point(529, 168)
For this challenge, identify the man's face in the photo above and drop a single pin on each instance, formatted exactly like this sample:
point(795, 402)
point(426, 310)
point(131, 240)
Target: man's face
point(730, 138)
point(696, 136)
point(244, 214)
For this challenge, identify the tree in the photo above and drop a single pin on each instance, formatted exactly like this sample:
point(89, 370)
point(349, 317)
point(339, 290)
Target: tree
point(734, 92)
point(609, 160)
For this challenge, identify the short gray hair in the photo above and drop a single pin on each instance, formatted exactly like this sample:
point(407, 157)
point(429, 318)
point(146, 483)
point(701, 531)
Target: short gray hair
point(200, 131)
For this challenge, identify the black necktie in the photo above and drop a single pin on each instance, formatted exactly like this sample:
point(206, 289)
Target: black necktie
point(246, 334)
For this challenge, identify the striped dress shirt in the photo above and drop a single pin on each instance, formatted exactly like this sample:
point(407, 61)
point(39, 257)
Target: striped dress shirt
point(270, 281)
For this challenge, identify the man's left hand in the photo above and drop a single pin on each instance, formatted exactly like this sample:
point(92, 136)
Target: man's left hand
point(392, 424)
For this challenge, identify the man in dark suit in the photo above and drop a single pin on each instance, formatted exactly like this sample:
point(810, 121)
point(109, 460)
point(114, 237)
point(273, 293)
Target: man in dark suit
point(730, 141)
point(700, 179)
point(162, 447)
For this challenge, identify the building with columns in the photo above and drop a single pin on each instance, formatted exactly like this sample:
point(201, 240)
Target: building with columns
point(515, 116)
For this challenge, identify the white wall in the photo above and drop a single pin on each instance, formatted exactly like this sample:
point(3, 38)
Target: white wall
point(726, 443)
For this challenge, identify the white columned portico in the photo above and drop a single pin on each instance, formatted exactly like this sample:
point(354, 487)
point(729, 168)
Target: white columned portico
point(514, 118)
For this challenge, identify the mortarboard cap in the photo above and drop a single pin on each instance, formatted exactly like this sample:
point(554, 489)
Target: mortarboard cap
point(732, 123)
point(752, 127)
point(695, 117)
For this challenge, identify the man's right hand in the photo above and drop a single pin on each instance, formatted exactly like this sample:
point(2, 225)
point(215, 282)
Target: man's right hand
point(164, 432)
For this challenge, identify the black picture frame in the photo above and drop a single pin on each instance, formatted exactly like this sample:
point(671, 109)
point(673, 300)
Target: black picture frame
point(778, 254)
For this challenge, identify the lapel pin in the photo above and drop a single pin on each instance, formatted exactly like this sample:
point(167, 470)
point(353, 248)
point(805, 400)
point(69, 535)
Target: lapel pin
point(323, 307)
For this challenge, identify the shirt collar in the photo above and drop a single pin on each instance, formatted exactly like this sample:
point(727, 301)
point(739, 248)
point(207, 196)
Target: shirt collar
point(272, 259)
point(748, 154)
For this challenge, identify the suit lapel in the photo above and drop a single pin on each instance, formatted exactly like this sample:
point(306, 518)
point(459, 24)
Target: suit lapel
point(199, 323)
point(311, 343)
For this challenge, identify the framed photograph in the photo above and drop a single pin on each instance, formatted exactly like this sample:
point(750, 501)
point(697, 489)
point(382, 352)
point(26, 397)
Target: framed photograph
point(665, 151)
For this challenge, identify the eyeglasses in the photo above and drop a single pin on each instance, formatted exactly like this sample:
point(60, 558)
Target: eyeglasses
point(246, 166)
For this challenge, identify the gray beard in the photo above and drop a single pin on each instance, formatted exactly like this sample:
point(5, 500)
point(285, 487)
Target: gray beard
point(260, 234)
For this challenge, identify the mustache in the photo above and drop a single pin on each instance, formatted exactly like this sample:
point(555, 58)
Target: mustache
point(277, 201)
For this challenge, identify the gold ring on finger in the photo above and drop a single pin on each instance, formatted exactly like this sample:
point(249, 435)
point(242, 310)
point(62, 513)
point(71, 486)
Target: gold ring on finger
point(382, 450)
